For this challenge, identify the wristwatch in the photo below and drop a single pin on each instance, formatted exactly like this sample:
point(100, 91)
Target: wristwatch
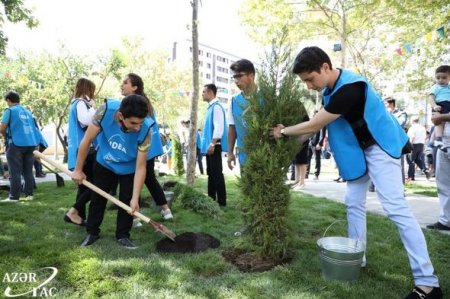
point(282, 131)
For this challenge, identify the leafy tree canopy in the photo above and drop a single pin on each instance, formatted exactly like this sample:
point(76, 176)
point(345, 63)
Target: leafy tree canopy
point(15, 12)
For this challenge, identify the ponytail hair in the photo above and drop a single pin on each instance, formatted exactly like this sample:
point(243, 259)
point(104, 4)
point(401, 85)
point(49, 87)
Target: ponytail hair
point(137, 81)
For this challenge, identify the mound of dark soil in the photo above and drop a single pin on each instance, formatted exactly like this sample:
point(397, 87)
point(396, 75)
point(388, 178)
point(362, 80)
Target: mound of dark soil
point(169, 184)
point(188, 242)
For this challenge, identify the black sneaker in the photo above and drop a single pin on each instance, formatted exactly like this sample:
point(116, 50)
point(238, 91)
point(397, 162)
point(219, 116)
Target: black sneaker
point(125, 242)
point(438, 226)
point(418, 293)
point(89, 240)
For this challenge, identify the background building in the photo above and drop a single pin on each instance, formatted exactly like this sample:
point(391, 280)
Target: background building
point(214, 67)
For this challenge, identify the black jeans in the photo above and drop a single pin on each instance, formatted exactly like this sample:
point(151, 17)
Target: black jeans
point(216, 180)
point(416, 158)
point(103, 178)
point(37, 163)
point(84, 193)
point(153, 185)
point(318, 156)
point(20, 162)
point(200, 161)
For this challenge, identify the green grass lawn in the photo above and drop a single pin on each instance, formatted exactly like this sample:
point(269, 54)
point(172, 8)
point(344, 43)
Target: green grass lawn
point(424, 188)
point(33, 235)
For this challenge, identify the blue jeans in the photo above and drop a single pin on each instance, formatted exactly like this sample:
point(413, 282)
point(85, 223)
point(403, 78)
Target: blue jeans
point(20, 163)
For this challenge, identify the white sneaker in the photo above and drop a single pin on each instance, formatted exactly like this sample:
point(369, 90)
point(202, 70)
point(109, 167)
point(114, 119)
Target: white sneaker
point(9, 200)
point(438, 143)
point(167, 214)
point(29, 197)
point(136, 223)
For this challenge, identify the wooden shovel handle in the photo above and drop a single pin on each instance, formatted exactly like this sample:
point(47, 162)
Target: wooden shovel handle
point(93, 187)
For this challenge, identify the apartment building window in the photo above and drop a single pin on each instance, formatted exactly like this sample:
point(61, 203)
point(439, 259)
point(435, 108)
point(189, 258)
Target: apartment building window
point(222, 59)
point(208, 55)
point(200, 52)
point(222, 79)
point(208, 76)
point(222, 69)
point(200, 63)
point(208, 65)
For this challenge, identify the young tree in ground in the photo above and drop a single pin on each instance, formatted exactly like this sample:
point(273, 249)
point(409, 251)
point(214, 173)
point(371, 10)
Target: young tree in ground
point(265, 195)
point(192, 148)
point(178, 156)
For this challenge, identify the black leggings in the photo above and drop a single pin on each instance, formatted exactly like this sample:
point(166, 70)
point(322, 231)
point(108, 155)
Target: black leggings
point(153, 185)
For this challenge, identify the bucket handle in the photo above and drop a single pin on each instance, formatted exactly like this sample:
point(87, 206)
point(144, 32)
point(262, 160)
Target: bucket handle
point(340, 220)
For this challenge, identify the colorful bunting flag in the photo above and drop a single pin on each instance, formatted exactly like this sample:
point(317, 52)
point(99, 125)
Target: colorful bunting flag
point(408, 48)
point(337, 47)
point(441, 32)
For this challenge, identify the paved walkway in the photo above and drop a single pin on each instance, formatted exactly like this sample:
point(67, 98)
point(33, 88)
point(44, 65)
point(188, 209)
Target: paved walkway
point(425, 208)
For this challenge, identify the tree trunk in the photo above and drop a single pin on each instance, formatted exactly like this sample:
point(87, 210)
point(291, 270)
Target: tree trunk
point(192, 150)
point(343, 37)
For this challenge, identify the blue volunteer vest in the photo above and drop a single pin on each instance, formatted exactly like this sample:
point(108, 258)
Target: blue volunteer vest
point(118, 150)
point(208, 129)
point(199, 141)
point(238, 106)
point(384, 128)
point(22, 129)
point(75, 135)
point(156, 148)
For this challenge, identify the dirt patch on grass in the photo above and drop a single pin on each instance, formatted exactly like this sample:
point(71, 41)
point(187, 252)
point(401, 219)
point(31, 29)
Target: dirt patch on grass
point(248, 261)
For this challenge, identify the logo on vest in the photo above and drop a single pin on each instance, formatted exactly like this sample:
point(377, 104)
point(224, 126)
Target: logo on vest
point(30, 278)
point(116, 142)
point(23, 116)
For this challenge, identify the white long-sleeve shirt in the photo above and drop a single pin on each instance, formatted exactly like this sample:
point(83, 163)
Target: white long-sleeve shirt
point(84, 114)
point(218, 120)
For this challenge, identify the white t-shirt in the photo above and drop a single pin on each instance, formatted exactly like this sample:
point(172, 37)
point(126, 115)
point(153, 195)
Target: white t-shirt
point(417, 134)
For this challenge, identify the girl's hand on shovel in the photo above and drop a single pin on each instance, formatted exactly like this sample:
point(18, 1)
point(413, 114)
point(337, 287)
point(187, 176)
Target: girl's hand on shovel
point(78, 176)
point(134, 205)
